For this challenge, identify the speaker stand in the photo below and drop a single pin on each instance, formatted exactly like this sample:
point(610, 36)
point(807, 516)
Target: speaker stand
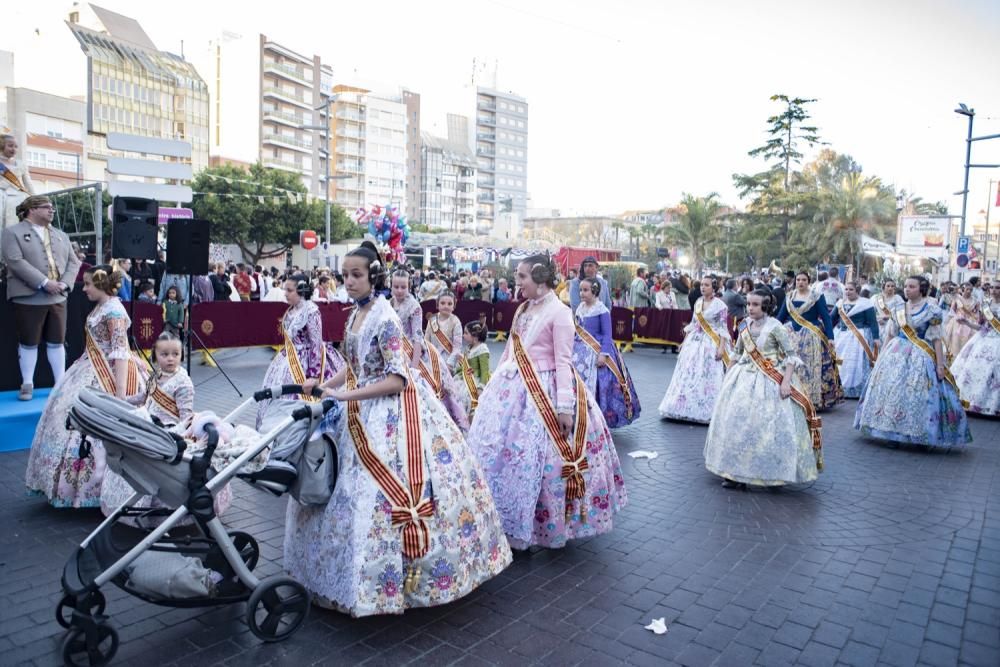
point(132, 340)
point(190, 333)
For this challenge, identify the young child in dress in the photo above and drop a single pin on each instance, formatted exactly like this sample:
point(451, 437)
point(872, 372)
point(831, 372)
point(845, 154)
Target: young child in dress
point(146, 293)
point(473, 367)
point(444, 331)
point(173, 313)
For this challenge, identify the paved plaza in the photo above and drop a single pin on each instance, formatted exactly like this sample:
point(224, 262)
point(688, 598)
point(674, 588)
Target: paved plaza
point(891, 557)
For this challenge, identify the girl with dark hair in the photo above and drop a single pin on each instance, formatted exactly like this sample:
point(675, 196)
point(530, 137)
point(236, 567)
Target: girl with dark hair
point(911, 396)
point(55, 467)
point(429, 366)
point(856, 339)
point(780, 443)
point(539, 434)
point(805, 313)
point(598, 361)
point(697, 378)
point(977, 366)
point(444, 331)
point(473, 367)
point(411, 522)
point(303, 354)
point(966, 318)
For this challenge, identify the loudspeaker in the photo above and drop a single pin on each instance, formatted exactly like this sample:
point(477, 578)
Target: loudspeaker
point(134, 228)
point(187, 246)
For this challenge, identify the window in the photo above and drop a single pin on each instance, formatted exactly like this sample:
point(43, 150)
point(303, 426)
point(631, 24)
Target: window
point(520, 109)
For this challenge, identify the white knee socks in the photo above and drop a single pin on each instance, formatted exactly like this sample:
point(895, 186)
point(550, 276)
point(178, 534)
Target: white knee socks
point(27, 357)
point(56, 352)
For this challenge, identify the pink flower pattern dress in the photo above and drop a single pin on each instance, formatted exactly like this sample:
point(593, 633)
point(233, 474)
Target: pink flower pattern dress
point(54, 466)
point(348, 553)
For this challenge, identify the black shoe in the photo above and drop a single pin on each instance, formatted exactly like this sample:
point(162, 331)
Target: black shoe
point(730, 484)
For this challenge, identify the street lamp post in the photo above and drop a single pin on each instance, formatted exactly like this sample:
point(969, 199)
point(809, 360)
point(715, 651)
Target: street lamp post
point(963, 110)
point(325, 129)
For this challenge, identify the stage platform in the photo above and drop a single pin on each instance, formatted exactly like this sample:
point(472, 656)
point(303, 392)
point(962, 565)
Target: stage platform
point(19, 418)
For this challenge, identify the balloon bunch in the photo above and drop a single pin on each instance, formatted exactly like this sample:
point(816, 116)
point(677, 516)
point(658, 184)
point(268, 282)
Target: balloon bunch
point(387, 227)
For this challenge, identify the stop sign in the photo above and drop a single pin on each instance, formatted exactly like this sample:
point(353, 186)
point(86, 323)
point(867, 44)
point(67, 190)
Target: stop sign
point(308, 239)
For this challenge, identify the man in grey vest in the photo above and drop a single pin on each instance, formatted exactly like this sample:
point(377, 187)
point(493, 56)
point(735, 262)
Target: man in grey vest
point(41, 271)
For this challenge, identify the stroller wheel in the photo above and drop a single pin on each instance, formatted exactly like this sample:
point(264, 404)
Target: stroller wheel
point(93, 648)
point(277, 607)
point(66, 606)
point(248, 548)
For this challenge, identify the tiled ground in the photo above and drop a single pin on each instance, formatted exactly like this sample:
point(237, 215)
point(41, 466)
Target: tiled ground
point(891, 557)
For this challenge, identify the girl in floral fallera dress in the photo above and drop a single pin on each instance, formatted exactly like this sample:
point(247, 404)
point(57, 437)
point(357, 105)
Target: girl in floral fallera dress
point(966, 318)
point(977, 366)
point(807, 317)
point(598, 361)
point(911, 396)
point(428, 364)
point(411, 522)
point(304, 353)
point(764, 429)
point(55, 467)
point(538, 432)
point(701, 365)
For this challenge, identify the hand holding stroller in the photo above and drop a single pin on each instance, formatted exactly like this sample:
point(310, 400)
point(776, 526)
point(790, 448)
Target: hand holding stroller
point(214, 568)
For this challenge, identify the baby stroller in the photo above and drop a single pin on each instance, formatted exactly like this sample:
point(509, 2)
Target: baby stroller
point(214, 567)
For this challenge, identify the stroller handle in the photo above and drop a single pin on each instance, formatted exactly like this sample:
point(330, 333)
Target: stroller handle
point(284, 390)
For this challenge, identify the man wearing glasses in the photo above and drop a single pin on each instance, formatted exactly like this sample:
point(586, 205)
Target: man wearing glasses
point(41, 268)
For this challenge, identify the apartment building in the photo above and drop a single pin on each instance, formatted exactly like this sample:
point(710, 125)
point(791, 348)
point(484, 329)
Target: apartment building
point(502, 155)
point(293, 90)
point(448, 184)
point(50, 132)
point(135, 88)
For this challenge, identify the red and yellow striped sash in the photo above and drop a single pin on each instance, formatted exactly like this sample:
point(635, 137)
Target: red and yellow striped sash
point(470, 382)
point(812, 419)
point(707, 328)
point(441, 338)
point(574, 456)
point(869, 352)
point(588, 339)
point(104, 373)
point(911, 335)
point(165, 401)
point(431, 375)
point(295, 364)
point(409, 508)
point(991, 317)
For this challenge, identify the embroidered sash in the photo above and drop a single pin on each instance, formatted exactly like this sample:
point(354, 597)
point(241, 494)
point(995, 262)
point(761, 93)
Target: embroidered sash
point(857, 333)
point(432, 375)
point(588, 339)
point(911, 335)
point(991, 317)
point(10, 176)
point(712, 334)
point(409, 508)
point(104, 373)
point(470, 382)
point(813, 420)
point(295, 364)
point(441, 338)
point(803, 322)
point(163, 399)
point(574, 456)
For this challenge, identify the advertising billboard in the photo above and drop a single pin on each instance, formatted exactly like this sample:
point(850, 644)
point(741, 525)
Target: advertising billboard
point(923, 235)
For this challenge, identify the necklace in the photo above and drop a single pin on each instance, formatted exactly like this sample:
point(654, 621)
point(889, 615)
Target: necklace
point(361, 303)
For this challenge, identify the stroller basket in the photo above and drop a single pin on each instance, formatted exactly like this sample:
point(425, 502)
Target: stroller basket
point(212, 568)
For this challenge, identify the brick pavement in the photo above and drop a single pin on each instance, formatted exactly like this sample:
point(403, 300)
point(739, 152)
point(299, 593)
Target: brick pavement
point(892, 557)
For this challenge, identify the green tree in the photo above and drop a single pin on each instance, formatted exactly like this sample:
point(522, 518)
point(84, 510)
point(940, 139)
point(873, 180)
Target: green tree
point(697, 228)
point(773, 192)
point(261, 210)
point(856, 205)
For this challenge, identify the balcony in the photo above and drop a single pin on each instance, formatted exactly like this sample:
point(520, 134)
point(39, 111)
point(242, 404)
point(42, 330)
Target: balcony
point(486, 120)
point(486, 151)
point(486, 167)
point(348, 132)
point(353, 166)
point(485, 197)
point(482, 104)
point(275, 163)
point(343, 114)
point(288, 96)
point(486, 183)
point(291, 73)
point(285, 118)
point(289, 142)
point(486, 136)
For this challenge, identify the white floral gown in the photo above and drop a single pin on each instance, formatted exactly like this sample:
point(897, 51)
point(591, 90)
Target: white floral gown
point(977, 366)
point(348, 553)
point(697, 379)
point(54, 466)
point(755, 436)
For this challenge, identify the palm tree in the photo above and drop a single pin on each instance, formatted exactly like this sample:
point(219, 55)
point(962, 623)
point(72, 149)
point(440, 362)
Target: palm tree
point(618, 227)
point(696, 230)
point(856, 205)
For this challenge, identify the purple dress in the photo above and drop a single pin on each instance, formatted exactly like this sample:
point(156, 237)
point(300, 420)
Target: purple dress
point(601, 380)
point(411, 317)
point(303, 324)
